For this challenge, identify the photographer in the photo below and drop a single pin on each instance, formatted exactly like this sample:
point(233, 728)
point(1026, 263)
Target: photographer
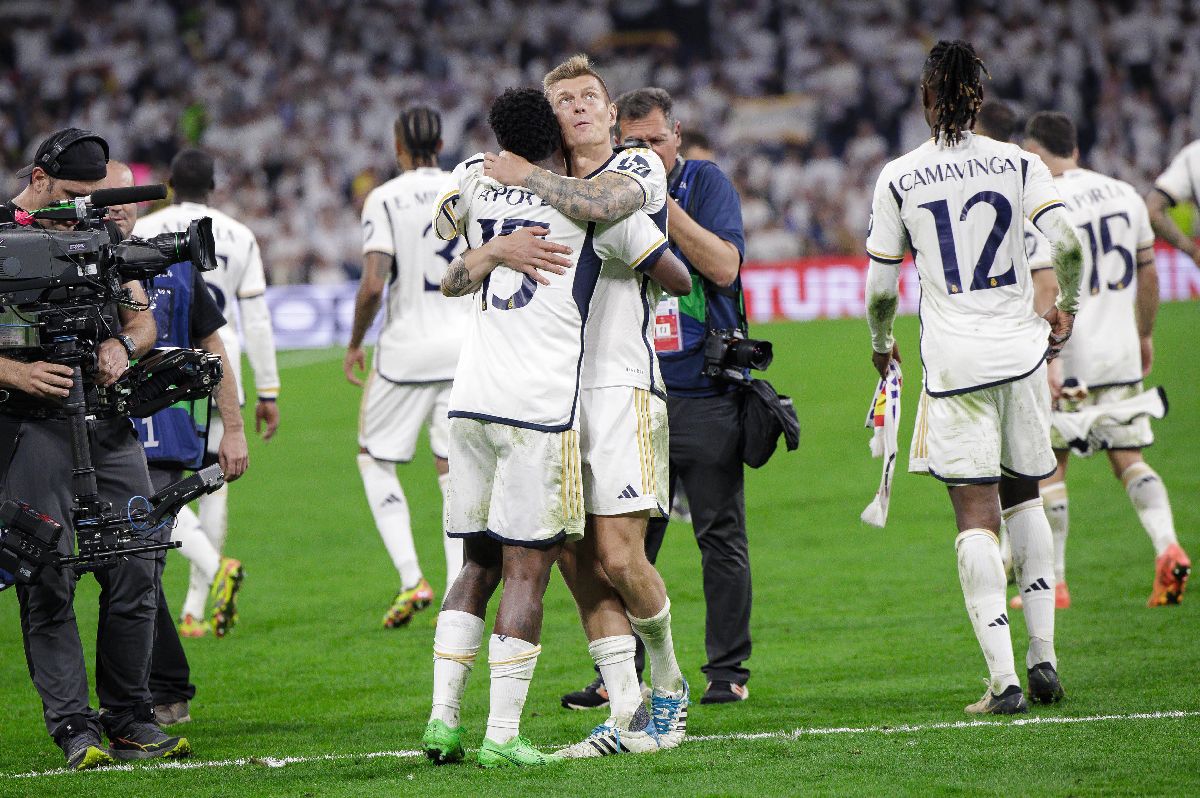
point(35, 444)
point(705, 231)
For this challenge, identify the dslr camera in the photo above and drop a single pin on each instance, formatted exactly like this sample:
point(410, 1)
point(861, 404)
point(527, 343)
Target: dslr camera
point(728, 353)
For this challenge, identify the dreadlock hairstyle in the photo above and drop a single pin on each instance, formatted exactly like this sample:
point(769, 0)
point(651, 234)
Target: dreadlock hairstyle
point(952, 73)
point(420, 128)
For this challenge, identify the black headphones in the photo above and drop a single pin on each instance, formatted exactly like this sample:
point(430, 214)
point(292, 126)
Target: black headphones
point(49, 160)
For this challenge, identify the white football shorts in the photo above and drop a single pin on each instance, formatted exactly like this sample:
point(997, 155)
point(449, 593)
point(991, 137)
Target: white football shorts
point(977, 436)
point(392, 414)
point(1137, 434)
point(519, 486)
point(623, 435)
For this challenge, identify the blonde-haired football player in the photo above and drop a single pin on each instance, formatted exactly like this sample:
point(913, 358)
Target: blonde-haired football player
point(1111, 349)
point(411, 373)
point(983, 425)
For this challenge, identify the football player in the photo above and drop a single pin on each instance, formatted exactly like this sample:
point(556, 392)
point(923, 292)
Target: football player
point(623, 424)
point(516, 480)
point(239, 286)
point(414, 361)
point(1179, 183)
point(1111, 349)
point(983, 423)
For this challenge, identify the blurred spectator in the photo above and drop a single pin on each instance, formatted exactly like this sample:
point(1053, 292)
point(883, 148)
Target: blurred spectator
point(295, 98)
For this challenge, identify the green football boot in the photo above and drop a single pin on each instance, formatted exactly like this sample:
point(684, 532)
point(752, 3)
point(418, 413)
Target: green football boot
point(442, 744)
point(517, 752)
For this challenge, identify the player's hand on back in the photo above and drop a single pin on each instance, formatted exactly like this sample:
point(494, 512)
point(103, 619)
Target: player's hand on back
point(507, 168)
point(881, 359)
point(266, 418)
point(1061, 324)
point(1147, 344)
point(526, 250)
point(233, 454)
point(355, 358)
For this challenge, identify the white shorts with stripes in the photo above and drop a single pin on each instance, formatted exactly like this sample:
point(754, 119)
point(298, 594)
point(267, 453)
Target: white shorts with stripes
point(392, 414)
point(624, 439)
point(519, 486)
point(977, 436)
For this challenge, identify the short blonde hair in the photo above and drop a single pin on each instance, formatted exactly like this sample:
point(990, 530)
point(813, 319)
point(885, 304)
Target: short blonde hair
point(576, 66)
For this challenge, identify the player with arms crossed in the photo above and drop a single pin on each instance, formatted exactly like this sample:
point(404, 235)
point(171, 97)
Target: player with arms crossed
point(1111, 348)
point(983, 424)
point(414, 361)
point(516, 485)
point(239, 274)
point(623, 425)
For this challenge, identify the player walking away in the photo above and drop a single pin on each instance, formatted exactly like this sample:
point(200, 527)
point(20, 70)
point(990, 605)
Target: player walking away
point(239, 274)
point(996, 120)
point(1180, 183)
point(411, 373)
point(516, 480)
point(1111, 349)
point(983, 424)
point(623, 414)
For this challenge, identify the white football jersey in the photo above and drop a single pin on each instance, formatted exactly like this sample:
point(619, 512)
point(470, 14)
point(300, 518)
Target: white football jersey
point(1181, 181)
point(1113, 223)
point(620, 351)
point(961, 208)
point(523, 355)
point(239, 274)
point(422, 330)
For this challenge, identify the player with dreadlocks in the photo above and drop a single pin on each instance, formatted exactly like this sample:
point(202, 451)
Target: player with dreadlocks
point(983, 425)
point(410, 376)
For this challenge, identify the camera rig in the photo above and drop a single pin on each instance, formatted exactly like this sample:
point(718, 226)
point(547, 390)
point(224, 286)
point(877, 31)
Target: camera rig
point(54, 288)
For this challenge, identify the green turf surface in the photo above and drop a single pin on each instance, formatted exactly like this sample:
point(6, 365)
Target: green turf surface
point(853, 627)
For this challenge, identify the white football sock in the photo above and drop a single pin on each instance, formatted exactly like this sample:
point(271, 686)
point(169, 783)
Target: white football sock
point(981, 574)
point(456, 642)
point(614, 657)
point(655, 632)
point(214, 516)
point(1057, 506)
point(390, 509)
point(1149, 497)
point(1033, 560)
point(512, 662)
point(452, 546)
point(205, 561)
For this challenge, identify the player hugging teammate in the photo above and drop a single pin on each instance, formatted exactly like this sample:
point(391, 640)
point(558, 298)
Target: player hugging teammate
point(520, 482)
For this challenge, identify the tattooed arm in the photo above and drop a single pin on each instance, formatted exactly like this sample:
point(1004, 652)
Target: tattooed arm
point(457, 281)
point(605, 198)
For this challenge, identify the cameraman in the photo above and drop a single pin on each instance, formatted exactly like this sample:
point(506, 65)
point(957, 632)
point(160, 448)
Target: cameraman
point(35, 444)
point(705, 230)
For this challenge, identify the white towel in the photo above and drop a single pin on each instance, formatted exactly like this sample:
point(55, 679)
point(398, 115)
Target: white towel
point(1076, 426)
point(883, 417)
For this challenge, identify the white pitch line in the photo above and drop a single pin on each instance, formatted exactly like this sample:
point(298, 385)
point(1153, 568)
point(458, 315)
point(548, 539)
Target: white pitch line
point(812, 731)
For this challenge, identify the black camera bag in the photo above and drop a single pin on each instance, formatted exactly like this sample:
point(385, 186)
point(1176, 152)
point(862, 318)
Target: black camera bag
point(765, 416)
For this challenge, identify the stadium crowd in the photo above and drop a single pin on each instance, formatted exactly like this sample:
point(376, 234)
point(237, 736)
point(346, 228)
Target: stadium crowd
point(297, 98)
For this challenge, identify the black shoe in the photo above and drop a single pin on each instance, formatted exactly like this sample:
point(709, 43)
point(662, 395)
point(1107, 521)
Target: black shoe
point(1010, 702)
point(725, 693)
point(84, 751)
point(141, 739)
point(594, 696)
point(1044, 686)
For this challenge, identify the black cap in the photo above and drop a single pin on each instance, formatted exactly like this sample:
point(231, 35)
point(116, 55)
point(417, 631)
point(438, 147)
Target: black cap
point(71, 154)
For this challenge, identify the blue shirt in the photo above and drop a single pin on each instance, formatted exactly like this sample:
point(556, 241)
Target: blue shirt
point(708, 196)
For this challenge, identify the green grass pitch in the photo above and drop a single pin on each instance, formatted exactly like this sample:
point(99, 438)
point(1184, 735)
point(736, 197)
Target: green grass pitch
point(853, 627)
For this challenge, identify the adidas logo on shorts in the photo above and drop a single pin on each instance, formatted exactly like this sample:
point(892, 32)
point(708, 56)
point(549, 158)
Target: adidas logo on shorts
point(628, 493)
